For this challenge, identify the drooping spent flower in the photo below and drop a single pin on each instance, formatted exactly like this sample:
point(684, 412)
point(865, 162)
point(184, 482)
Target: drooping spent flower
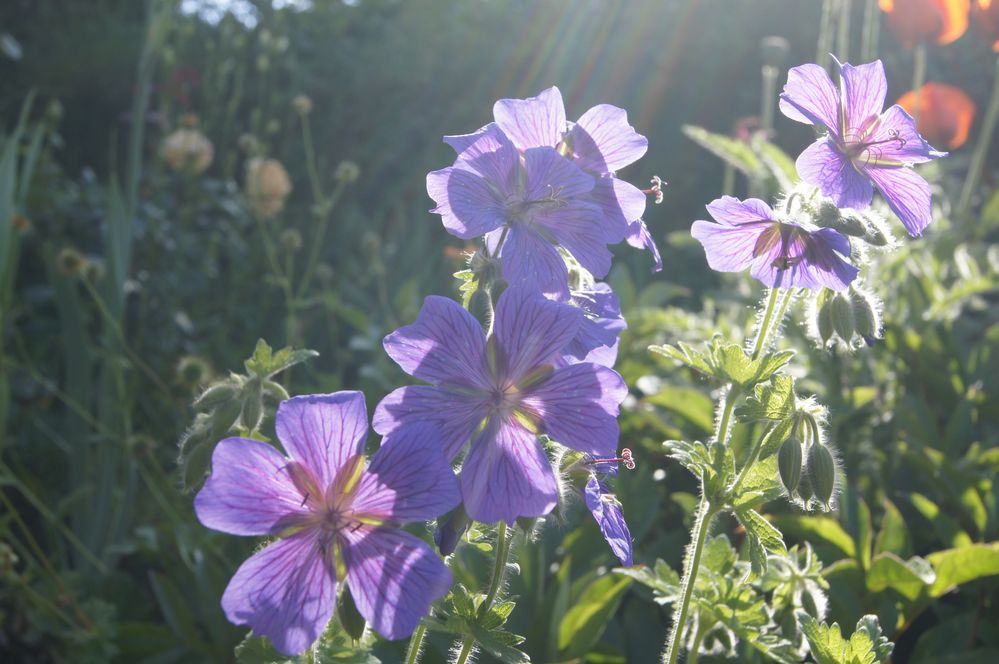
point(334, 521)
point(865, 147)
point(605, 507)
point(780, 253)
point(943, 113)
point(502, 393)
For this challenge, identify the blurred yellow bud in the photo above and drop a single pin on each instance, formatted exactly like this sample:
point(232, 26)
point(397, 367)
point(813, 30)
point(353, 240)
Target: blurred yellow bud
point(187, 150)
point(267, 185)
point(347, 171)
point(302, 105)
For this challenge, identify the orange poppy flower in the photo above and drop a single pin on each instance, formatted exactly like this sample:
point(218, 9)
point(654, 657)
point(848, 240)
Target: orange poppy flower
point(944, 115)
point(985, 16)
point(914, 21)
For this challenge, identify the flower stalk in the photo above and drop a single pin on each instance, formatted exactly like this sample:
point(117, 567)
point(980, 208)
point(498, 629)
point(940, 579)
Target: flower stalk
point(981, 147)
point(503, 543)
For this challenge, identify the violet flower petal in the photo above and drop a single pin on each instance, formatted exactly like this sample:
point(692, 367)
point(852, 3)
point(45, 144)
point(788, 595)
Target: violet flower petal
point(393, 578)
point(455, 414)
point(811, 97)
point(530, 261)
point(864, 90)
point(408, 478)
point(640, 238)
point(908, 195)
point(249, 491)
point(577, 405)
point(550, 176)
point(727, 248)
point(444, 345)
point(532, 122)
point(285, 592)
point(322, 431)
point(824, 166)
point(530, 331)
point(604, 142)
point(897, 142)
point(468, 206)
point(581, 230)
point(507, 475)
point(610, 518)
point(731, 211)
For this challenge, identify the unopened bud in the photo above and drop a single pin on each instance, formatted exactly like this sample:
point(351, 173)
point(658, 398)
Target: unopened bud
point(302, 105)
point(94, 271)
point(824, 321)
point(253, 405)
point(223, 417)
point(867, 321)
point(291, 239)
point(450, 530)
point(805, 491)
point(774, 50)
point(481, 307)
point(789, 464)
point(267, 186)
point(841, 316)
point(70, 262)
point(215, 395)
point(822, 472)
point(347, 172)
point(828, 214)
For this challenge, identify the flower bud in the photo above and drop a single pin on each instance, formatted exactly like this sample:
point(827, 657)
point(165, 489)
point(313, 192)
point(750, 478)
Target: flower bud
point(223, 417)
point(481, 307)
point(350, 618)
point(841, 316)
point(347, 172)
point(302, 105)
point(215, 395)
point(822, 472)
point(187, 150)
point(805, 491)
point(54, 111)
point(248, 143)
point(774, 50)
point(193, 371)
point(93, 271)
point(70, 262)
point(789, 464)
point(291, 239)
point(824, 321)
point(865, 313)
point(450, 529)
point(267, 186)
point(253, 405)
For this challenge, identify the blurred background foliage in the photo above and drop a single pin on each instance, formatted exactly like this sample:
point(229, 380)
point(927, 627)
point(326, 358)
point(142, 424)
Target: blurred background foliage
point(147, 243)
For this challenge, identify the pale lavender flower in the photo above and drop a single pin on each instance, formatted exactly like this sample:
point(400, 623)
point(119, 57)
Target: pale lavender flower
point(865, 147)
point(501, 394)
point(334, 521)
point(779, 253)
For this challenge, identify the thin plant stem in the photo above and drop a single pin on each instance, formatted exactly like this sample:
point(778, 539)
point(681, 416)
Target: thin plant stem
point(769, 91)
point(843, 31)
point(698, 536)
point(918, 76)
point(981, 147)
point(696, 645)
point(872, 29)
point(764, 332)
point(728, 180)
point(499, 570)
point(825, 34)
point(416, 644)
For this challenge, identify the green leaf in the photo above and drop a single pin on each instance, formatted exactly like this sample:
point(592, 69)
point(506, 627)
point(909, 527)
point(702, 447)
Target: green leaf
point(760, 485)
point(769, 536)
point(772, 401)
point(822, 528)
point(500, 645)
point(894, 535)
point(856, 517)
point(692, 405)
point(777, 162)
point(265, 363)
point(497, 615)
point(686, 355)
point(735, 365)
point(827, 645)
point(909, 578)
point(662, 579)
point(730, 150)
point(954, 567)
point(947, 528)
point(585, 621)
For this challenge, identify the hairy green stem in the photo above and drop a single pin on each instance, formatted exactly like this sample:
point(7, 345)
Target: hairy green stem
point(416, 644)
point(698, 536)
point(981, 147)
point(764, 332)
point(499, 570)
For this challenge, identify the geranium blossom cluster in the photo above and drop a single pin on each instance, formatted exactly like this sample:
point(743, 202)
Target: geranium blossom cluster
point(864, 147)
point(499, 402)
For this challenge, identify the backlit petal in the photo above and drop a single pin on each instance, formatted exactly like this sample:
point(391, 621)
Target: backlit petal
point(823, 165)
point(809, 96)
point(455, 413)
point(322, 431)
point(532, 122)
point(530, 331)
point(908, 195)
point(604, 142)
point(607, 511)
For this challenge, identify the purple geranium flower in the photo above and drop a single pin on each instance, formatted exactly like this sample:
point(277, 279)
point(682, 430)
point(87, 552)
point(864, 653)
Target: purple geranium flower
point(334, 520)
point(780, 253)
point(601, 324)
point(864, 145)
point(502, 393)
